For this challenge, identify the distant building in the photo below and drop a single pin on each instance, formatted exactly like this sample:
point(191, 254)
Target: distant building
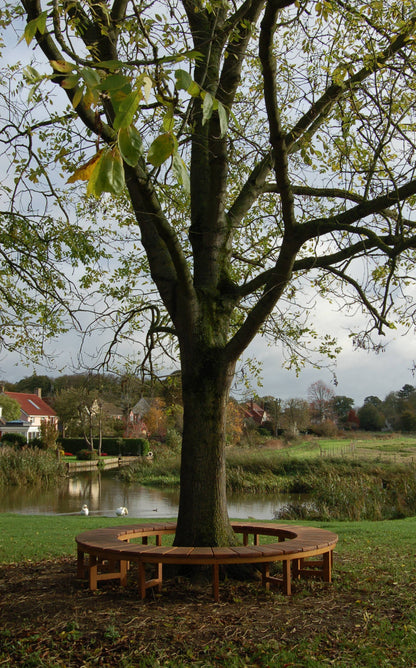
point(33, 412)
point(255, 413)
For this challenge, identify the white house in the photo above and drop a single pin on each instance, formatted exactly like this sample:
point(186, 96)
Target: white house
point(33, 411)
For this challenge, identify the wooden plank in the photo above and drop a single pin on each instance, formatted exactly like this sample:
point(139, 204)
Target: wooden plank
point(297, 548)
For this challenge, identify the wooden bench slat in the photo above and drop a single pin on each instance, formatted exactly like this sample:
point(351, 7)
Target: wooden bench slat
point(110, 552)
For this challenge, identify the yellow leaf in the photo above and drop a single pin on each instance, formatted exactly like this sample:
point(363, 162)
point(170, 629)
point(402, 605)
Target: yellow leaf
point(61, 66)
point(84, 172)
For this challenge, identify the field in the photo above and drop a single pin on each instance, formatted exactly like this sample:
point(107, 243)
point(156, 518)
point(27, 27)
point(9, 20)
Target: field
point(363, 445)
point(48, 618)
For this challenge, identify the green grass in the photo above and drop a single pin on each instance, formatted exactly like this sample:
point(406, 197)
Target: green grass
point(36, 537)
point(365, 618)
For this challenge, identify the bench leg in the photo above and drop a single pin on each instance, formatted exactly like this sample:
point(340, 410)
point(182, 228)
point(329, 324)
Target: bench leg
point(216, 582)
point(296, 568)
point(142, 579)
point(93, 571)
point(327, 566)
point(124, 566)
point(80, 564)
point(266, 576)
point(287, 583)
point(153, 582)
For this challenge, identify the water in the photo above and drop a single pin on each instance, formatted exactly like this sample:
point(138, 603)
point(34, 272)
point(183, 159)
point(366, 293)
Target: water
point(103, 493)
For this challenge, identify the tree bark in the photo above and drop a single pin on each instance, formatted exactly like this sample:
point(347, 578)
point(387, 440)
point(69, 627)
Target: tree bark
point(203, 517)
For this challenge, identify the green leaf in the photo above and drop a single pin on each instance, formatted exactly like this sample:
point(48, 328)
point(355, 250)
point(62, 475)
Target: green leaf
point(130, 145)
point(110, 64)
point(168, 120)
point(193, 90)
point(70, 81)
point(31, 74)
point(127, 109)
point(108, 175)
point(222, 113)
point(39, 23)
point(181, 172)
point(161, 149)
point(183, 80)
point(113, 82)
point(207, 107)
point(77, 97)
point(90, 76)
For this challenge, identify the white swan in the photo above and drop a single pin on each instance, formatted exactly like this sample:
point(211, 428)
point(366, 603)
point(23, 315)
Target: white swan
point(84, 510)
point(122, 511)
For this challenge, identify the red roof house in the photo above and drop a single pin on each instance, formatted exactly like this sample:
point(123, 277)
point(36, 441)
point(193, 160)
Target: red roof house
point(33, 411)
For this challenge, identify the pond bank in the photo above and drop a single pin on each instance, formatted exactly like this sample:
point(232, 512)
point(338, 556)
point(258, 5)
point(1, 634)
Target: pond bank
point(101, 464)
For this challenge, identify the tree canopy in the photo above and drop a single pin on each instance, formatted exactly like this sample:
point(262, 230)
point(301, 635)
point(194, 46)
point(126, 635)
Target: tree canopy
point(10, 408)
point(258, 151)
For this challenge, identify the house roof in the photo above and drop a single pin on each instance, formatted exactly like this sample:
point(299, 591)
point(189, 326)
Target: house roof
point(31, 404)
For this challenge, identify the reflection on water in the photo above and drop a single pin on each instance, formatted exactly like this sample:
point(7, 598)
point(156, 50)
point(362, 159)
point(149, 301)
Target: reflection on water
point(103, 493)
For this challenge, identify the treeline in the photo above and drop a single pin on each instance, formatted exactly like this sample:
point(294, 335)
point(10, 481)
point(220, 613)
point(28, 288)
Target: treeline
point(323, 412)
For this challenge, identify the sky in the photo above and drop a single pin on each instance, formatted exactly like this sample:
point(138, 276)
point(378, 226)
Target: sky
point(358, 373)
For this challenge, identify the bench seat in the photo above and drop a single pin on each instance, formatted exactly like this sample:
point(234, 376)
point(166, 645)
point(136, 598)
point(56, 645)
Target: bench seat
point(110, 552)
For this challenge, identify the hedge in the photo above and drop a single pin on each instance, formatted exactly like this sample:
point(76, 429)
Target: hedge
point(111, 446)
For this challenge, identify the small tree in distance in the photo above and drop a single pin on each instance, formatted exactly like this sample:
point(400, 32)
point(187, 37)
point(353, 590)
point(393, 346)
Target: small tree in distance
point(248, 154)
point(10, 408)
point(321, 399)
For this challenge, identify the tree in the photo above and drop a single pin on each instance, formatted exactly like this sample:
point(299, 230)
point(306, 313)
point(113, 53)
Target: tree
point(32, 383)
point(342, 407)
point(353, 421)
point(296, 121)
point(235, 423)
point(78, 412)
point(48, 435)
point(321, 398)
point(296, 416)
point(406, 392)
point(372, 400)
point(156, 418)
point(371, 418)
point(10, 408)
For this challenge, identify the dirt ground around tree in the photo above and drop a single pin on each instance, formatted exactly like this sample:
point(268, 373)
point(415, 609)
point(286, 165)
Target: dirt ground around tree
point(50, 618)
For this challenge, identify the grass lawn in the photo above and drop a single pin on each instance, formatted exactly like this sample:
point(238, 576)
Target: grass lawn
point(366, 617)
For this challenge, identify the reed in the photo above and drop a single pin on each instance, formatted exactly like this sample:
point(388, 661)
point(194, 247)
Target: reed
point(29, 466)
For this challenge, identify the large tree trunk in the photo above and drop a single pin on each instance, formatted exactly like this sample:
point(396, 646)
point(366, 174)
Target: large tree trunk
point(203, 517)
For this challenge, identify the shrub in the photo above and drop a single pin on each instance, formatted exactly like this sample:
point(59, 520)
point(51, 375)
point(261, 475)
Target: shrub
point(327, 428)
point(112, 446)
point(173, 440)
point(16, 440)
point(86, 455)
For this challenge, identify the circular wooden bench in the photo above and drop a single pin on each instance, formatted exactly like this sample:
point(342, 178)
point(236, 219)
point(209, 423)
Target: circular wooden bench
point(110, 551)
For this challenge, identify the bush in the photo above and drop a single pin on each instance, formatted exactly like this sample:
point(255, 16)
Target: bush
point(16, 440)
point(112, 446)
point(87, 455)
point(173, 440)
point(327, 428)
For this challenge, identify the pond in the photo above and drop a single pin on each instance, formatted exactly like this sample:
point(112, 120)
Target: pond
point(103, 493)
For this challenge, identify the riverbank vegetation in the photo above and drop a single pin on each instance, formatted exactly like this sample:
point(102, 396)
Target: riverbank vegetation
point(29, 466)
point(365, 617)
point(370, 478)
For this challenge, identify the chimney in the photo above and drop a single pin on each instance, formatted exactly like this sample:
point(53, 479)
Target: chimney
point(39, 392)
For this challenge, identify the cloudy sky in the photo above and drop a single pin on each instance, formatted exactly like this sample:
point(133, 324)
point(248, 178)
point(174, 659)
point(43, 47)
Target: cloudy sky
point(358, 373)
